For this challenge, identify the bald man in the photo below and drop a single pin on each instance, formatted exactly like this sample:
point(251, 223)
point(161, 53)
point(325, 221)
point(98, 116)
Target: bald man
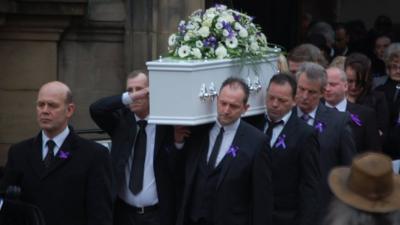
point(67, 177)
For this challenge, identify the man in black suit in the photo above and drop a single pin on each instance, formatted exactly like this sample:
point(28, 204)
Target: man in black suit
point(67, 177)
point(334, 133)
point(141, 153)
point(294, 153)
point(227, 171)
point(363, 119)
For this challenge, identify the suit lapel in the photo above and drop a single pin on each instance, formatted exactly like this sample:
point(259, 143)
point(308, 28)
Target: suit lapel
point(320, 115)
point(160, 133)
point(35, 156)
point(227, 158)
point(64, 154)
point(132, 129)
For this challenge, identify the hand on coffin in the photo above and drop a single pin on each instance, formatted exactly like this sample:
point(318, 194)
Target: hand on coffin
point(142, 93)
point(180, 133)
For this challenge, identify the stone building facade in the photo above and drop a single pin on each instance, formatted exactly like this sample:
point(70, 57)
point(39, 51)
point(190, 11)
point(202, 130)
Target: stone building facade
point(89, 44)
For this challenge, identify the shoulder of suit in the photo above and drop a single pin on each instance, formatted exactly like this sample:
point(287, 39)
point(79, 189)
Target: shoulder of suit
point(250, 129)
point(22, 145)
point(88, 145)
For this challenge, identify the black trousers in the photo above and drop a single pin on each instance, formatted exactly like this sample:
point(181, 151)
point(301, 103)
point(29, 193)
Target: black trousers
point(125, 214)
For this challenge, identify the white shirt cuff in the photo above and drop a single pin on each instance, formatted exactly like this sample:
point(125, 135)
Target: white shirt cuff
point(126, 99)
point(179, 145)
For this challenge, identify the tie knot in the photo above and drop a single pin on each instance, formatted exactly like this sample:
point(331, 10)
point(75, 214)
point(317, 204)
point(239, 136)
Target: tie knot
point(274, 124)
point(142, 124)
point(305, 117)
point(221, 130)
point(50, 144)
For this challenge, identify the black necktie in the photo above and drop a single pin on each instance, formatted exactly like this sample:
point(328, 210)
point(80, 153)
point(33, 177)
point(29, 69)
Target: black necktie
point(50, 153)
point(139, 156)
point(271, 126)
point(215, 149)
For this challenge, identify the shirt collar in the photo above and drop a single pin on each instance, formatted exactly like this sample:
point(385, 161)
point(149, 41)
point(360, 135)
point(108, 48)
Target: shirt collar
point(137, 118)
point(341, 106)
point(59, 139)
point(311, 114)
point(231, 127)
point(285, 118)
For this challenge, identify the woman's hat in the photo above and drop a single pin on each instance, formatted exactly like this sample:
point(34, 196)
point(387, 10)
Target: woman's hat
point(369, 184)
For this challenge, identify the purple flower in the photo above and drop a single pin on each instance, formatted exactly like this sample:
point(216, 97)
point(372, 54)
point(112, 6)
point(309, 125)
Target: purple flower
point(182, 28)
point(281, 142)
point(356, 119)
point(63, 155)
point(236, 16)
point(320, 126)
point(233, 151)
point(228, 27)
point(210, 42)
point(398, 121)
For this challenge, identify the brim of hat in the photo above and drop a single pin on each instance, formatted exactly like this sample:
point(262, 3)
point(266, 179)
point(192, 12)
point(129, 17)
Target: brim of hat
point(338, 183)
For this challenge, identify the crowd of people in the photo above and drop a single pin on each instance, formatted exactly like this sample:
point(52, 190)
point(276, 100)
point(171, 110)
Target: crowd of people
point(320, 154)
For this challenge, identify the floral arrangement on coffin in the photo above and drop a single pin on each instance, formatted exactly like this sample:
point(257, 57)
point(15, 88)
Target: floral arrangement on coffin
point(218, 33)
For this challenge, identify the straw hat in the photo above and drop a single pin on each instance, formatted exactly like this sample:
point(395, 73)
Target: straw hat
point(369, 184)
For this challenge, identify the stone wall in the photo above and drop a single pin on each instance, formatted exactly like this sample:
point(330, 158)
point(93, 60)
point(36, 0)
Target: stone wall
point(89, 44)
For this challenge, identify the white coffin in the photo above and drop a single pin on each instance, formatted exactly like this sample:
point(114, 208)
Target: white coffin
point(179, 88)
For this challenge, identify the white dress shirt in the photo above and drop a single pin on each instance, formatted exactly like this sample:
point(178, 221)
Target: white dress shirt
point(148, 195)
point(341, 106)
point(58, 140)
point(278, 129)
point(311, 115)
point(229, 134)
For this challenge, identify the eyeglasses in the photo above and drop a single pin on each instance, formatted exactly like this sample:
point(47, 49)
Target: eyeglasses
point(394, 67)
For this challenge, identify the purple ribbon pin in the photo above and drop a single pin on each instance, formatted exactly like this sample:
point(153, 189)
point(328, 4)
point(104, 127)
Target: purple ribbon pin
point(281, 142)
point(233, 151)
point(356, 119)
point(63, 155)
point(319, 126)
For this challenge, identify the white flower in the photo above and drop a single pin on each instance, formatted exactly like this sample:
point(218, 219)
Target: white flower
point(172, 40)
point(225, 33)
point(209, 15)
point(219, 25)
point(254, 46)
point(221, 7)
point(237, 26)
point(199, 44)
point(231, 42)
point(184, 51)
point(207, 23)
point(227, 17)
point(188, 36)
point(262, 38)
point(243, 33)
point(221, 52)
point(196, 53)
point(204, 31)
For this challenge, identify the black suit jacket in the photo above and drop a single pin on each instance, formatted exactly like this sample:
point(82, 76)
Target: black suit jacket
point(75, 190)
point(337, 145)
point(364, 127)
point(111, 115)
point(391, 146)
point(244, 188)
point(377, 101)
point(295, 172)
